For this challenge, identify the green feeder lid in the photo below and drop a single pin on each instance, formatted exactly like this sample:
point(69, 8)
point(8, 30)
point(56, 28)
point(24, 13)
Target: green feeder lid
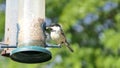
point(30, 54)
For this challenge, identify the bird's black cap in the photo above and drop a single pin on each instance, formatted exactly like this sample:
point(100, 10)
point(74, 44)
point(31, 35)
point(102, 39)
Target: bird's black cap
point(55, 24)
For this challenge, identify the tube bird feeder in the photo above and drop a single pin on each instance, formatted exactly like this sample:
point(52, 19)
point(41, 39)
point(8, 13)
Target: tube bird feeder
point(31, 38)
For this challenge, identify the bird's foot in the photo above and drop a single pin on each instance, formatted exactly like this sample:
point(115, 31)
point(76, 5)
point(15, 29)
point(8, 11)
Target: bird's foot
point(59, 45)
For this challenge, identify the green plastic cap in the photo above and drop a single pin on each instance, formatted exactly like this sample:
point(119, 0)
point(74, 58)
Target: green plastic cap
point(30, 54)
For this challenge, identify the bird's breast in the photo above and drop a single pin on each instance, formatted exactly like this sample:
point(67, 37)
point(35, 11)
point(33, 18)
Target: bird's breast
point(55, 35)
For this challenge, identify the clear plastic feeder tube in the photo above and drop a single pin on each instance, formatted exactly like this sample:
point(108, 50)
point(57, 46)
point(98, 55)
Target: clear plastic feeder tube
point(30, 20)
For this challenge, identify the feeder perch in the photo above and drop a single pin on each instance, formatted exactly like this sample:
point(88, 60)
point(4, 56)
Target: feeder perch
point(6, 46)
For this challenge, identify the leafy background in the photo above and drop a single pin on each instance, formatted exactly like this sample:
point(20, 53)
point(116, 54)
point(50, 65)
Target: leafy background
point(91, 26)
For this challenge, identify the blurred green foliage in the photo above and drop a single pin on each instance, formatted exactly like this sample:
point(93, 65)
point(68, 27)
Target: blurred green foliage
point(2, 25)
point(92, 28)
point(2, 20)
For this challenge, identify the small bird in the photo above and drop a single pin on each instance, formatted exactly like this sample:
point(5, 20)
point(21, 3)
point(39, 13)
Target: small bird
point(57, 35)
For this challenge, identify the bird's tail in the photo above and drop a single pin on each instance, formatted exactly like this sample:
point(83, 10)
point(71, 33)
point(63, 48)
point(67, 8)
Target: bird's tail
point(68, 45)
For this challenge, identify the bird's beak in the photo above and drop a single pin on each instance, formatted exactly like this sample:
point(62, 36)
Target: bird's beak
point(47, 27)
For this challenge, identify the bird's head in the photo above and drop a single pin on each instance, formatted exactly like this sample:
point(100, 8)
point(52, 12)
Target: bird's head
point(54, 27)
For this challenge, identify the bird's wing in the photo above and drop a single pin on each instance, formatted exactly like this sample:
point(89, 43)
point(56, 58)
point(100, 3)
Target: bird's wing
point(62, 33)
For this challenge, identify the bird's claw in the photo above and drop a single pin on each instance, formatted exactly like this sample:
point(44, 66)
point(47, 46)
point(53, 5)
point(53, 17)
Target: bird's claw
point(59, 45)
